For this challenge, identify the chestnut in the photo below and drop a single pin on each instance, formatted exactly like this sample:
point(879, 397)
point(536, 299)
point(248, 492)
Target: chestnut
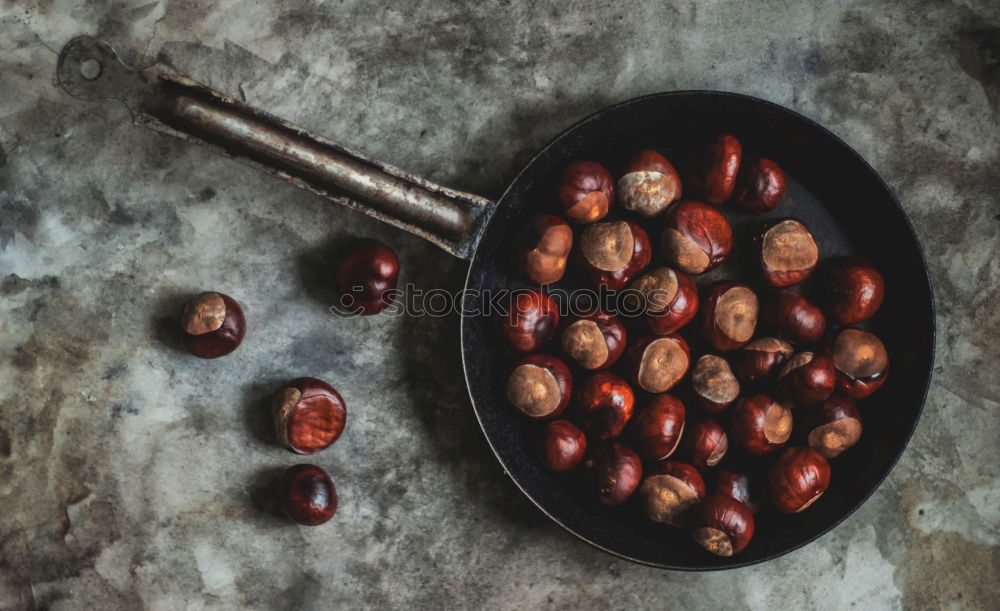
point(722, 163)
point(562, 446)
point(854, 289)
point(760, 186)
point(307, 495)
point(807, 378)
point(835, 427)
point(714, 385)
point(367, 277)
point(309, 415)
point(793, 317)
point(540, 386)
point(762, 358)
point(861, 362)
point(760, 425)
point(658, 427)
point(604, 404)
point(542, 249)
point(696, 237)
point(670, 491)
point(612, 472)
point(613, 253)
point(670, 299)
point(595, 340)
point(729, 316)
point(213, 325)
point(530, 322)
point(586, 191)
point(659, 363)
point(706, 444)
point(735, 485)
point(722, 525)
point(788, 253)
point(797, 479)
point(650, 184)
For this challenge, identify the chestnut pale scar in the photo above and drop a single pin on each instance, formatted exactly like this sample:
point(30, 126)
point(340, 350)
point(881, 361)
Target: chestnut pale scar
point(736, 313)
point(608, 246)
point(713, 379)
point(662, 365)
point(686, 254)
point(204, 314)
point(788, 246)
point(534, 390)
point(658, 287)
point(584, 341)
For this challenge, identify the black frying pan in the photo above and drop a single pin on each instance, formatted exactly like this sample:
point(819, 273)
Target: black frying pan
point(831, 188)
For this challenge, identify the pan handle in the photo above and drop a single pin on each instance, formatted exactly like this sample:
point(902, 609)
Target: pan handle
point(162, 99)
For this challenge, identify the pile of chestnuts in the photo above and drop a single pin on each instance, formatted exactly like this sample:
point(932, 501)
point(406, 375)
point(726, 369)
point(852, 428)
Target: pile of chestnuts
point(726, 395)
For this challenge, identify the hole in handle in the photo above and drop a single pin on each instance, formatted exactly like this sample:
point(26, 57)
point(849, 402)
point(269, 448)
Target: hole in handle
point(90, 69)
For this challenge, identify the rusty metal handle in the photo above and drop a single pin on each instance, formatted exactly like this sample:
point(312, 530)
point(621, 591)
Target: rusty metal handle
point(162, 99)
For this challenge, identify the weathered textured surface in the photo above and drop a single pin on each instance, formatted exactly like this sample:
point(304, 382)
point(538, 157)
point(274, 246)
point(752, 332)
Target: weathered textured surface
point(131, 474)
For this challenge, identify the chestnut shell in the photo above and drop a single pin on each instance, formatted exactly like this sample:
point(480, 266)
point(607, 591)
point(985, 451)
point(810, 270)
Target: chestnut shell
point(309, 415)
point(729, 315)
point(540, 386)
point(603, 405)
point(203, 312)
point(586, 191)
point(612, 472)
point(562, 446)
point(834, 427)
point(366, 276)
point(542, 249)
point(736, 485)
point(798, 478)
point(696, 237)
point(787, 252)
point(762, 359)
point(860, 360)
point(594, 340)
point(706, 444)
point(722, 164)
point(760, 425)
point(853, 288)
point(530, 322)
point(723, 525)
point(659, 426)
point(793, 317)
point(617, 278)
point(760, 186)
point(670, 492)
point(306, 495)
point(669, 299)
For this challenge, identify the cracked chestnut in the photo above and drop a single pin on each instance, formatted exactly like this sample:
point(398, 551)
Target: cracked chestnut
point(798, 478)
point(722, 164)
point(612, 472)
point(612, 253)
point(722, 525)
point(713, 384)
point(603, 405)
point(787, 253)
point(307, 495)
point(735, 485)
point(658, 427)
point(706, 444)
point(729, 315)
point(761, 359)
point(309, 415)
point(540, 386)
point(650, 184)
point(586, 191)
point(530, 321)
point(861, 362)
point(834, 427)
point(760, 425)
point(659, 363)
point(595, 340)
point(562, 446)
point(542, 249)
point(696, 237)
point(854, 290)
point(670, 492)
point(807, 378)
point(793, 317)
point(760, 186)
point(367, 277)
point(669, 299)
point(213, 325)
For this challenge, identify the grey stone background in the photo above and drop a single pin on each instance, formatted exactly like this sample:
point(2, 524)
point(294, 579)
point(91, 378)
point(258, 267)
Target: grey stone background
point(131, 475)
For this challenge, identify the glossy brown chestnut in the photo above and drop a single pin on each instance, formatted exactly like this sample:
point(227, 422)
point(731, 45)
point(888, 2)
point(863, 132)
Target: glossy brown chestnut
point(762, 359)
point(650, 184)
point(706, 444)
point(713, 384)
point(213, 325)
point(854, 290)
point(861, 362)
point(723, 525)
point(807, 378)
point(787, 253)
point(541, 250)
point(612, 472)
point(696, 237)
point(595, 339)
point(670, 492)
point(722, 164)
point(540, 386)
point(658, 427)
point(659, 363)
point(798, 478)
point(603, 405)
point(307, 495)
point(760, 425)
point(729, 315)
point(367, 278)
point(530, 321)
point(562, 446)
point(586, 191)
point(735, 485)
point(612, 253)
point(834, 427)
point(309, 415)
point(669, 299)
point(760, 186)
point(793, 317)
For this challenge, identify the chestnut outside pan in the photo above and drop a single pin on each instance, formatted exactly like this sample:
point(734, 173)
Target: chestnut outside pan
point(831, 188)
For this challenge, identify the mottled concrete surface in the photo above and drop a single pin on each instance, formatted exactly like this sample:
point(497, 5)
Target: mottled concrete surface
point(131, 475)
